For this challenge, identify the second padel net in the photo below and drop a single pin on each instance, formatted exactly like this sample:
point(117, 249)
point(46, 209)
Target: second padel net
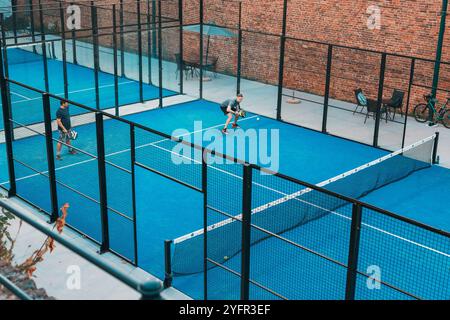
point(290, 210)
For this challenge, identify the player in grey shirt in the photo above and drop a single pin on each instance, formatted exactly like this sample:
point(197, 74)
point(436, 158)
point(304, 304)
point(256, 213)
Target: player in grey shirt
point(229, 108)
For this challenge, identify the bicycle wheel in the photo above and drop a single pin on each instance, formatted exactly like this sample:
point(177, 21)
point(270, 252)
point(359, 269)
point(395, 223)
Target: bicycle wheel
point(446, 119)
point(422, 113)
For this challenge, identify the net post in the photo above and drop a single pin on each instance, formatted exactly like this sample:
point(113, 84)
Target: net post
point(94, 22)
point(246, 232)
point(205, 223)
point(168, 276)
point(352, 265)
point(380, 99)
point(102, 181)
point(8, 128)
point(116, 63)
point(139, 34)
point(50, 157)
point(133, 189)
point(435, 158)
point(408, 101)
point(327, 88)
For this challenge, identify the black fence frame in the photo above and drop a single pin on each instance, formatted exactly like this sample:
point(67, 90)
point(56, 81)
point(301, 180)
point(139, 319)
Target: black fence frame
point(104, 245)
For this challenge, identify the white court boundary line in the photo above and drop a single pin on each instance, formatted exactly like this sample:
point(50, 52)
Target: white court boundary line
point(26, 99)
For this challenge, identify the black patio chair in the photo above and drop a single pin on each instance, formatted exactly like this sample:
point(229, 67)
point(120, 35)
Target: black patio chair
point(395, 102)
point(358, 103)
point(182, 66)
point(211, 66)
point(370, 105)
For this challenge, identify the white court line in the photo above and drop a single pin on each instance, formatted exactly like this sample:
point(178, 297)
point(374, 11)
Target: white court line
point(70, 92)
point(22, 96)
point(124, 151)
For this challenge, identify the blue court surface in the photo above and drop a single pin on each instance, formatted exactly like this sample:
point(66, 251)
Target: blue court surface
point(28, 69)
point(409, 257)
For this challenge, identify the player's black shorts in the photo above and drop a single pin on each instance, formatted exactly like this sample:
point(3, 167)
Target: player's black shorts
point(224, 109)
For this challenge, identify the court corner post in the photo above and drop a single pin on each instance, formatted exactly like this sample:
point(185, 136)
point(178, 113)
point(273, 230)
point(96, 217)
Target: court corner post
point(101, 158)
point(435, 159)
point(246, 232)
point(352, 265)
point(50, 157)
point(8, 127)
point(168, 276)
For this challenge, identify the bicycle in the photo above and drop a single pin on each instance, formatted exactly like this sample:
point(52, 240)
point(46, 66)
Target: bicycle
point(423, 111)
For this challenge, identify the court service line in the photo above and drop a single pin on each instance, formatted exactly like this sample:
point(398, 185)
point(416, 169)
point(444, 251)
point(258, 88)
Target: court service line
point(70, 92)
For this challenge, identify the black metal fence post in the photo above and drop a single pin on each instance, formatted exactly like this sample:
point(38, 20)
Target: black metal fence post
point(116, 63)
point(154, 40)
point(102, 182)
point(326, 99)
point(44, 47)
point(281, 62)
point(201, 50)
point(50, 157)
point(14, 19)
point(96, 53)
point(122, 39)
point(205, 224)
point(149, 44)
point(74, 42)
point(352, 265)
point(168, 276)
point(379, 100)
point(180, 16)
point(63, 49)
point(5, 72)
point(4, 59)
point(30, 4)
point(246, 232)
point(160, 66)
point(8, 128)
point(239, 53)
point(408, 101)
point(133, 190)
point(139, 34)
